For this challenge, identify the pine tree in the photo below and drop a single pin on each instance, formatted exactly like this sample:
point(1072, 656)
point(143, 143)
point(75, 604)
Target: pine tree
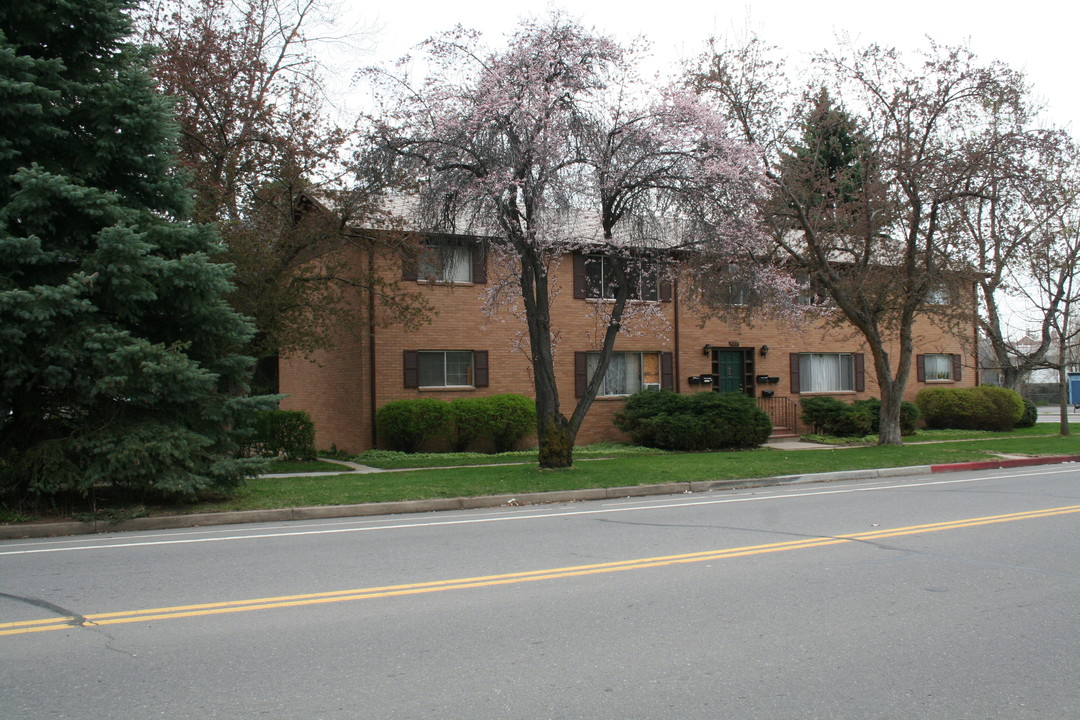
point(119, 361)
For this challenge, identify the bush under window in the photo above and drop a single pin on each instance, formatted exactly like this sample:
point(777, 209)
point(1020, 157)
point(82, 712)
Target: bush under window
point(703, 421)
point(979, 408)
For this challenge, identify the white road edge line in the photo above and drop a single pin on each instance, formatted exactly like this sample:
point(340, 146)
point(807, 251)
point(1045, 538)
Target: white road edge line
point(518, 516)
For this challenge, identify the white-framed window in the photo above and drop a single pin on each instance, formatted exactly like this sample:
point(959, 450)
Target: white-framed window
point(939, 367)
point(627, 373)
point(600, 279)
point(826, 372)
point(446, 368)
point(446, 263)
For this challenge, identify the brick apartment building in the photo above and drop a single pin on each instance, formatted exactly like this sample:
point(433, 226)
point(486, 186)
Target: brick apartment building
point(465, 351)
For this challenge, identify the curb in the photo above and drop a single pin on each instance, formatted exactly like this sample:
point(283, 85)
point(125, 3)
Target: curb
point(281, 515)
point(1008, 463)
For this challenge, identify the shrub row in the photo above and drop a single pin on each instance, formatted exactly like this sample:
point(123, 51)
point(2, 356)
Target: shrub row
point(702, 421)
point(500, 420)
point(829, 416)
point(287, 433)
point(985, 407)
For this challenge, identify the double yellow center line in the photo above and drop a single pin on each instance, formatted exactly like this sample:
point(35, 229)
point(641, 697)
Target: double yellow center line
point(284, 601)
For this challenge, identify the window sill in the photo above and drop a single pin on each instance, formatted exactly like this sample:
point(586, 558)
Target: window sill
point(446, 388)
point(446, 283)
point(630, 300)
point(829, 392)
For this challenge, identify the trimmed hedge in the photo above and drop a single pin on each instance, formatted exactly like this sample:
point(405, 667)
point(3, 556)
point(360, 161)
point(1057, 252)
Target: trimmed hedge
point(702, 421)
point(405, 425)
point(502, 420)
point(287, 433)
point(508, 419)
point(985, 407)
point(830, 416)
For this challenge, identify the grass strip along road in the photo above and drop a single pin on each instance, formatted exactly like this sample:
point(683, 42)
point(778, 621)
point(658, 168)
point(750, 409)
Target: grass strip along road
point(286, 601)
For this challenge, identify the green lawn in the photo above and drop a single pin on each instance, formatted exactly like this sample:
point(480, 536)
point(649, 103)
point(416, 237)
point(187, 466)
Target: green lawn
point(631, 469)
point(602, 466)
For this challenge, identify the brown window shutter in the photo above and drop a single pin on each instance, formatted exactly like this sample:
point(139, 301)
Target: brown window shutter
point(480, 368)
point(410, 268)
point(479, 263)
point(667, 371)
point(412, 368)
point(957, 367)
point(920, 368)
point(860, 372)
point(579, 277)
point(581, 372)
point(793, 370)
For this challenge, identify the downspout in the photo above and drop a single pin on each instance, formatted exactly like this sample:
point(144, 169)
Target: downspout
point(675, 311)
point(373, 405)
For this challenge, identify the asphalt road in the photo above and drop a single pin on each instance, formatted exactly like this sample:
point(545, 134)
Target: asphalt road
point(945, 596)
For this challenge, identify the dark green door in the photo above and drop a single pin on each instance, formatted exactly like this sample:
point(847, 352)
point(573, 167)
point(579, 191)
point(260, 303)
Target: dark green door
point(729, 370)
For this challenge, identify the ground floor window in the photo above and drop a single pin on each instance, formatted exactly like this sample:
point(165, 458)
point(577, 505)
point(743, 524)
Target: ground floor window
point(826, 372)
point(627, 373)
point(445, 368)
point(938, 367)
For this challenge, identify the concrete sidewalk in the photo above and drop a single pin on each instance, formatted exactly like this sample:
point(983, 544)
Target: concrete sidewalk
point(32, 530)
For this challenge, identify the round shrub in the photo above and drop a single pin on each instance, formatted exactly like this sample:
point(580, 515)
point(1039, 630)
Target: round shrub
point(702, 421)
point(405, 425)
point(508, 419)
point(1006, 407)
point(469, 418)
point(1030, 416)
point(735, 419)
point(979, 408)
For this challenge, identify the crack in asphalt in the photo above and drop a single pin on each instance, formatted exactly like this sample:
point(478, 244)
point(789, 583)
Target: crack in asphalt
point(76, 620)
point(906, 552)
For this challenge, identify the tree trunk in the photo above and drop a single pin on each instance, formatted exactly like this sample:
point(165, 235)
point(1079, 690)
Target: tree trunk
point(889, 420)
point(556, 441)
point(1063, 390)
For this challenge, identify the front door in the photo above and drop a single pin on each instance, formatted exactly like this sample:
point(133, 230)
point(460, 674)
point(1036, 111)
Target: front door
point(728, 369)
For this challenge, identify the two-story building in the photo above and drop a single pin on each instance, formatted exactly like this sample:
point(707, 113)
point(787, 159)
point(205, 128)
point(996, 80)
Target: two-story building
point(466, 350)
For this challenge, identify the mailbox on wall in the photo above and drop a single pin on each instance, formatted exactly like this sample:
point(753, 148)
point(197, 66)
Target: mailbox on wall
point(699, 380)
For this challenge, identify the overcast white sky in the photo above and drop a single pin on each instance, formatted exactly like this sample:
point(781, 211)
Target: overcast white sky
point(1036, 36)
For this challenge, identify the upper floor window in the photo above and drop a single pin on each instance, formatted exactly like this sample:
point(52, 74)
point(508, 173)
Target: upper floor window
point(595, 277)
point(810, 292)
point(938, 295)
point(739, 292)
point(448, 259)
point(446, 263)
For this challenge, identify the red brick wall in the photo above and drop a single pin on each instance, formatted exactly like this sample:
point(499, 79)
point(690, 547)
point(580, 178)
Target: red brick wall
point(335, 387)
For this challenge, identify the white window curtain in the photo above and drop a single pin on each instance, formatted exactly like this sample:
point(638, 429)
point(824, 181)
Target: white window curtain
point(447, 263)
point(938, 367)
point(826, 372)
point(623, 374)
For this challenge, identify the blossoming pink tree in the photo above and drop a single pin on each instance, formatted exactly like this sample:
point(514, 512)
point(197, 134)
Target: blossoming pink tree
point(552, 144)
